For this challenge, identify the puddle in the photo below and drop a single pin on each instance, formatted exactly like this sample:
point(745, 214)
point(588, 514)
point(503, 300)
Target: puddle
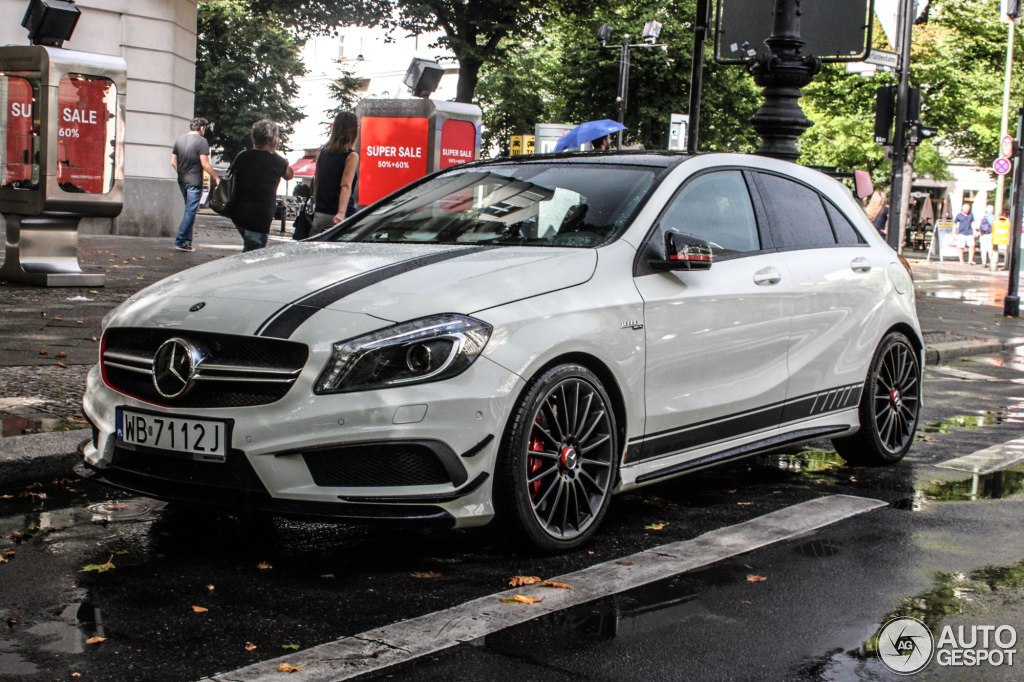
point(21, 426)
point(966, 422)
point(124, 510)
point(809, 461)
point(68, 632)
point(992, 486)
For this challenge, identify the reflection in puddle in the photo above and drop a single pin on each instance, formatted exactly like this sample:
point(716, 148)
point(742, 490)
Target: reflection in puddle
point(992, 486)
point(951, 594)
point(75, 624)
point(809, 461)
point(966, 422)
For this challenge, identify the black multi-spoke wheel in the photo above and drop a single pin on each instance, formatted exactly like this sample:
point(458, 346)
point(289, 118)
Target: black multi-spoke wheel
point(888, 407)
point(559, 461)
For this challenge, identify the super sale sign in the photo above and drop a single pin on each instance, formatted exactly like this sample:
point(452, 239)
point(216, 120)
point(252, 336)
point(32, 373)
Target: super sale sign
point(392, 153)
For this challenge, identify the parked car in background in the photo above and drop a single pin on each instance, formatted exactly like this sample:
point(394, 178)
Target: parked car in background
point(517, 339)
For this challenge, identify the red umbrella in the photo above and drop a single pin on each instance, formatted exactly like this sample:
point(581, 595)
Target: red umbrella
point(305, 167)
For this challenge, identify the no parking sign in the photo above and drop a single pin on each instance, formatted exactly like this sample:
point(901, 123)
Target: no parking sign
point(1001, 165)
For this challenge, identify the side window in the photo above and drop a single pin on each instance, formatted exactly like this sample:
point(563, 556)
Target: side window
point(715, 207)
point(844, 230)
point(796, 213)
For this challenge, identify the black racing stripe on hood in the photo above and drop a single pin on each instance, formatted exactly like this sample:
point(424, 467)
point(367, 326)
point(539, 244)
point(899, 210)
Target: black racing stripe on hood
point(287, 319)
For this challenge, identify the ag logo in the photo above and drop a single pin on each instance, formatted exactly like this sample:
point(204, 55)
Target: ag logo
point(905, 645)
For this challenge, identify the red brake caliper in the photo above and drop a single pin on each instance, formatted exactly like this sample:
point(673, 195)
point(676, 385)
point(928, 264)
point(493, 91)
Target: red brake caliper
point(535, 463)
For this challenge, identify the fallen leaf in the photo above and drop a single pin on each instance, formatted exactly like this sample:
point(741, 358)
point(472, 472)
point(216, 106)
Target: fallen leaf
point(425, 574)
point(6, 497)
point(520, 580)
point(61, 364)
point(744, 504)
point(249, 646)
point(655, 526)
point(329, 576)
point(100, 568)
point(853, 479)
point(11, 622)
point(291, 647)
point(624, 563)
point(95, 640)
point(289, 668)
point(744, 601)
point(520, 599)
point(730, 492)
point(62, 354)
point(57, 317)
point(754, 578)
point(199, 609)
point(210, 588)
point(8, 552)
point(263, 566)
point(76, 674)
point(43, 351)
point(3, 560)
point(79, 322)
point(552, 583)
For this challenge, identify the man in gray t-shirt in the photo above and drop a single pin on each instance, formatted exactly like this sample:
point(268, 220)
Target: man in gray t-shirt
point(190, 157)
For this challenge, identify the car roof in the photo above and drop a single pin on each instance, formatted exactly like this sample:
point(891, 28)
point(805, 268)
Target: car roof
point(652, 159)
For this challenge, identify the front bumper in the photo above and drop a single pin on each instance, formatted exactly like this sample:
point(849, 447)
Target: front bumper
point(421, 453)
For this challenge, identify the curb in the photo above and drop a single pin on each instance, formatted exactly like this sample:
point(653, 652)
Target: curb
point(39, 457)
point(938, 353)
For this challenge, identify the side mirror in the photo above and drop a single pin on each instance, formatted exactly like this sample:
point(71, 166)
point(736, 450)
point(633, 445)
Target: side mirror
point(863, 187)
point(684, 252)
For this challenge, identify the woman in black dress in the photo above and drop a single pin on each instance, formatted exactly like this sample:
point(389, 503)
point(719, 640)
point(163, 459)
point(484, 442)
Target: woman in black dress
point(257, 172)
point(336, 174)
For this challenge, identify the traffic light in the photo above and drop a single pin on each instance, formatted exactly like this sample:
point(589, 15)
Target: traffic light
point(885, 108)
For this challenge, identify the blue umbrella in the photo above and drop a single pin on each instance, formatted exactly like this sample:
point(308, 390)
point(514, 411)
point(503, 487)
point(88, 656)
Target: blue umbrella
point(586, 132)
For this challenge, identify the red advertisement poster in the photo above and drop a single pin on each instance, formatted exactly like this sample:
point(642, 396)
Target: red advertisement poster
point(17, 160)
point(392, 153)
point(458, 143)
point(85, 134)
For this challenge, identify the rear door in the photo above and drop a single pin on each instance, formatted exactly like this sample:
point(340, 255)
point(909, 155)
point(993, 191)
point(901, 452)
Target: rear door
point(839, 282)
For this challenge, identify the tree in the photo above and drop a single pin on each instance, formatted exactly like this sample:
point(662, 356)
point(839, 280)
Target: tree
point(512, 96)
point(475, 31)
point(246, 66)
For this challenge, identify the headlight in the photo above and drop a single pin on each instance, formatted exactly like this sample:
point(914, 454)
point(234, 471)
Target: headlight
point(429, 349)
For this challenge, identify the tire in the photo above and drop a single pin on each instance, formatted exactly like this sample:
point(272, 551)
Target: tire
point(558, 462)
point(889, 406)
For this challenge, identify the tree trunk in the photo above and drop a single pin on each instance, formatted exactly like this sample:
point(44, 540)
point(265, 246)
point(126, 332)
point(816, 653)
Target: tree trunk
point(469, 74)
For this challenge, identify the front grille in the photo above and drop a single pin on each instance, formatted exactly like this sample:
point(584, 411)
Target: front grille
point(238, 371)
point(376, 465)
point(233, 474)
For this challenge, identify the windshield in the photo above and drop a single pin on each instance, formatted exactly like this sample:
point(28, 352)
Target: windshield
point(530, 204)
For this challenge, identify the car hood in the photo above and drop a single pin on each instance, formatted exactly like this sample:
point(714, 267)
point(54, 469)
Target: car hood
point(273, 291)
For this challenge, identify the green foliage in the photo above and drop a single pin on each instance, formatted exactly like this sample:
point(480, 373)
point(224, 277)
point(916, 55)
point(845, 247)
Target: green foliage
point(343, 91)
point(512, 98)
point(246, 65)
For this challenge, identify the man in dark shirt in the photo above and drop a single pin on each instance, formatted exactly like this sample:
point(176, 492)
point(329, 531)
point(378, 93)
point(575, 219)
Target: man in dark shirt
point(190, 157)
point(965, 233)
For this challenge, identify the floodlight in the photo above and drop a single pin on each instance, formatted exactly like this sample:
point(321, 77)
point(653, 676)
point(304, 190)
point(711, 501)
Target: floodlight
point(604, 34)
point(652, 29)
point(50, 22)
point(423, 76)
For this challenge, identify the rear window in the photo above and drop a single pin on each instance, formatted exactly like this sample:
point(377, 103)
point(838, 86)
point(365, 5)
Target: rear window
point(798, 216)
point(574, 205)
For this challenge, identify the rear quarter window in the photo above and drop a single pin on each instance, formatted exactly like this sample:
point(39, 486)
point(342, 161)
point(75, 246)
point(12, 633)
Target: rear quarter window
point(796, 213)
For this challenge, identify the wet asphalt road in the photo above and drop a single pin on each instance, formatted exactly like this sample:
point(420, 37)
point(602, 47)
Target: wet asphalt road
point(273, 586)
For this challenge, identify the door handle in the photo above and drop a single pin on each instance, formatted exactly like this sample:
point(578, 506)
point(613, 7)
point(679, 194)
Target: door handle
point(767, 277)
point(860, 265)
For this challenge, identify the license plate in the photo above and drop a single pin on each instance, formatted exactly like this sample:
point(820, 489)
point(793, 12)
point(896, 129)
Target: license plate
point(203, 439)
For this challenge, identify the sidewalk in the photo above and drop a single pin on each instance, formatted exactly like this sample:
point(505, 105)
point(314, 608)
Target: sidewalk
point(49, 336)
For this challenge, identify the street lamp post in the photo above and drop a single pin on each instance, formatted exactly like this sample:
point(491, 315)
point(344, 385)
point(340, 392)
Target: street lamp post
point(652, 29)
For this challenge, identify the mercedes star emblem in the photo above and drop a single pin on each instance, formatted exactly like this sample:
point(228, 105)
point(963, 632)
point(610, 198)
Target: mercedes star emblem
point(175, 367)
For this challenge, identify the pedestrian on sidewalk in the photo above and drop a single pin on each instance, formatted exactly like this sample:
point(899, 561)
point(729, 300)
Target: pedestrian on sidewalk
point(1000, 237)
point(965, 233)
point(878, 210)
point(257, 173)
point(190, 156)
point(335, 177)
point(985, 236)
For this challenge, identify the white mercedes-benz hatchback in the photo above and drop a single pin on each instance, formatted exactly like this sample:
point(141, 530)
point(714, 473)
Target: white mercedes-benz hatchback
point(517, 340)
